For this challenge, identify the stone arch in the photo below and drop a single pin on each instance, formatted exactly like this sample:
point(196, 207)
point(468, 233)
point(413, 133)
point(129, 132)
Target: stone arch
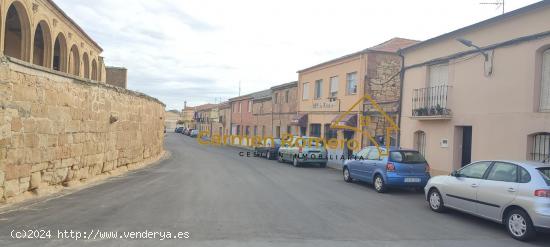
point(17, 32)
point(60, 53)
point(42, 45)
point(94, 70)
point(86, 65)
point(74, 61)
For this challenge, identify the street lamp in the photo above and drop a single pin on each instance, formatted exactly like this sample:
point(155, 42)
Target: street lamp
point(488, 64)
point(469, 43)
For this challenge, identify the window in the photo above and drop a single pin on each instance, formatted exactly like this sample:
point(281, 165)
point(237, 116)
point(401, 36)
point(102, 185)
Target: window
point(289, 129)
point(286, 96)
point(504, 172)
point(407, 157)
point(545, 83)
point(305, 92)
point(255, 130)
point(318, 88)
point(278, 131)
point(250, 106)
point(524, 176)
point(363, 153)
point(240, 106)
point(475, 170)
point(420, 142)
point(315, 130)
point(276, 98)
point(333, 87)
point(330, 132)
point(545, 173)
point(439, 75)
point(263, 130)
point(541, 147)
point(373, 154)
point(351, 83)
point(247, 131)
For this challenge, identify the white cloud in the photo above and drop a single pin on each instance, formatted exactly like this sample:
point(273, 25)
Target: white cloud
point(198, 50)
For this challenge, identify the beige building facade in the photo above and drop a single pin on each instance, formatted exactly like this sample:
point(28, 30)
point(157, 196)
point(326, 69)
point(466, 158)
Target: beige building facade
point(40, 33)
point(337, 87)
point(284, 109)
point(460, 105)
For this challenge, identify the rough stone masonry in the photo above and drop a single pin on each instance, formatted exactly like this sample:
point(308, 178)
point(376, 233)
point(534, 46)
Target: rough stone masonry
point(56, 129)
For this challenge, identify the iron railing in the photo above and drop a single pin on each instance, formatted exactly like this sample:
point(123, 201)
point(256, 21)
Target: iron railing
point(431, 101)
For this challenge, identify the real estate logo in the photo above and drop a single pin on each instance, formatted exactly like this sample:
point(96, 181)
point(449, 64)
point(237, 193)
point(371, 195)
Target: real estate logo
point(364, 121)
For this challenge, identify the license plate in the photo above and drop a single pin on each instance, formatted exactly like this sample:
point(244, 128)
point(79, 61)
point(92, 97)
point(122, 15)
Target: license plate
point(412, 180)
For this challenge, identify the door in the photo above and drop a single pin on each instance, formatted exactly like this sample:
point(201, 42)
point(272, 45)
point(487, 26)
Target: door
point(466, 145)
point(355, 165)
point(370, 164)
point(498, 190)
point(461, 191)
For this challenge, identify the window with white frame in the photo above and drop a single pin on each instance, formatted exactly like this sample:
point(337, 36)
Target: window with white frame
point(318, 88)
point(250, 106)
point(439, 75)
point(305, 91)
point(545, 82)
point(240, 106)
point(351, 83)
point(333, 86)
point(420, 142)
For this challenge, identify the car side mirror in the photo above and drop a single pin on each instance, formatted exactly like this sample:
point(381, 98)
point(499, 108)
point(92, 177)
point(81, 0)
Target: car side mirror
point(455, 174)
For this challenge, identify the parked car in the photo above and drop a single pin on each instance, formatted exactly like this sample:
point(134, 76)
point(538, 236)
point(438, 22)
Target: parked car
point(194, 133)
point(269, 149)
point(398, 168)
point(513, 193)
point(178, 129)
point(299, 152)
point(188, 132)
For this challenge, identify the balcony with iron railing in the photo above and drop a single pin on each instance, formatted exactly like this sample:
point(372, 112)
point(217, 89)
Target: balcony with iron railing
point(430, 103)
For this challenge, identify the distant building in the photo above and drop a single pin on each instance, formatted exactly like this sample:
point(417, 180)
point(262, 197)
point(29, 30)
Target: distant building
point(171, 120)
point(117, 76)
point(285, 106)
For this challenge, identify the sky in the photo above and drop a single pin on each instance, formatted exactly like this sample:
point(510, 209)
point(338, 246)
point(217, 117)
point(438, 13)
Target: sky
point(199, 51)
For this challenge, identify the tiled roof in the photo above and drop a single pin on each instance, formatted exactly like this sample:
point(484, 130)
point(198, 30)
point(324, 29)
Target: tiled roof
point(393, 45)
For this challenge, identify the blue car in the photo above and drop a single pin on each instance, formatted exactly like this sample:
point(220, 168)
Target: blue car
point(403, 168)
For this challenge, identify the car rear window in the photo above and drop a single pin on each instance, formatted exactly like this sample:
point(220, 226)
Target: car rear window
point(407, 157)
point(545, 172)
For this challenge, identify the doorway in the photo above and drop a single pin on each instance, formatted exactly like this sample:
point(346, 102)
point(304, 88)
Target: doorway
point(466, 145)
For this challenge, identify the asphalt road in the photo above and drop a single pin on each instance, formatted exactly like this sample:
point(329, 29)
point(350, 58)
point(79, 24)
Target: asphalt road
point(223, 199)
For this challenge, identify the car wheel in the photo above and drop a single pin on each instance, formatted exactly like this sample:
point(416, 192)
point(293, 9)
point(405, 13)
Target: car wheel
point(295, 162)
point(347, 175)
point(280, 158)
point(436, 201)
point(379, 184)
point(520, 226)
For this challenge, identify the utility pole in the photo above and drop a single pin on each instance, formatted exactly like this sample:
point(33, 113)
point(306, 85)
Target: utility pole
point(498, 3)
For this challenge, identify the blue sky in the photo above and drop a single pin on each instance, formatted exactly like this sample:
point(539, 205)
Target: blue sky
point(198, 50)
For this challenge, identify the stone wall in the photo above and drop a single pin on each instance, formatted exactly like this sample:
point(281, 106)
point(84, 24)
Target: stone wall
point(57, 129)
point(116, 76)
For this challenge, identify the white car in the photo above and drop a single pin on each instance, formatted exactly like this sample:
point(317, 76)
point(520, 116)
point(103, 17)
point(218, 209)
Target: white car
point(513, 193)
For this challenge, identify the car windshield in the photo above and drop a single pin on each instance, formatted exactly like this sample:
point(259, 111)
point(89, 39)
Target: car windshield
point(407, 157)
point(545, 172)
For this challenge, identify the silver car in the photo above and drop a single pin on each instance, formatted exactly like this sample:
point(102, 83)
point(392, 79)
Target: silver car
point(302, 150)
point(513, 193)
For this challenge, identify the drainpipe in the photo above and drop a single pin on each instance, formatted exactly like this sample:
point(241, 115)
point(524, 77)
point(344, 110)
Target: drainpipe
point(401, 83)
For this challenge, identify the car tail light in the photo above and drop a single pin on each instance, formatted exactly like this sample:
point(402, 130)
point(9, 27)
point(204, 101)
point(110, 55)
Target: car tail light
point(542, 193)
point(390, 167)
point(427, 168)
point(300, 149)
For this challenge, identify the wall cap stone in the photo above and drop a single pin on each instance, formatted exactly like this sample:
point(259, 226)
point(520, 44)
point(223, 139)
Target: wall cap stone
point(77, 79)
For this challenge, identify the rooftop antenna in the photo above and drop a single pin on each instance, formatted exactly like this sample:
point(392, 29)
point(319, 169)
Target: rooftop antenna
point(498, 3)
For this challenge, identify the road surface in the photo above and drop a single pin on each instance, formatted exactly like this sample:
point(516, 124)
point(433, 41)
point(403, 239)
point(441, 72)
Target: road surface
point(219, 198)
